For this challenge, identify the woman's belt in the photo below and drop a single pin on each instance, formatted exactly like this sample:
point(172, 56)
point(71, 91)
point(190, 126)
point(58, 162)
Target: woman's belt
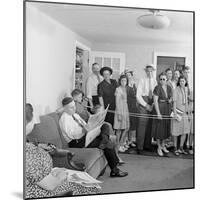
point(163, 101)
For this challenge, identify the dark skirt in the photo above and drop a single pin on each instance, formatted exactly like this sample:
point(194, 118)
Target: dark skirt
point(161, 128)
point(132, 110)
point(110, 114)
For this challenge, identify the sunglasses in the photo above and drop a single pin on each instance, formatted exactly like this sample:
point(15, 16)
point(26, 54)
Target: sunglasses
point(162, 79)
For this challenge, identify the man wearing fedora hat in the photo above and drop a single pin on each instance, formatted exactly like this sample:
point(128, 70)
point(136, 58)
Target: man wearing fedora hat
point(145, 105)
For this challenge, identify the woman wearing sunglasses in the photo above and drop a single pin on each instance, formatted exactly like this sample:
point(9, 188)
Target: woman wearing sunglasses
point(162, 108)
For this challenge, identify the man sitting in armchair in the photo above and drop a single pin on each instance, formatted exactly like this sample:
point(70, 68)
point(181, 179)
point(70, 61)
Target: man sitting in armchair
point(74, 130)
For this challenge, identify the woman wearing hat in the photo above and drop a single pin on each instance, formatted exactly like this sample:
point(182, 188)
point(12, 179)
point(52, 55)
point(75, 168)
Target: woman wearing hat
point(106, 92)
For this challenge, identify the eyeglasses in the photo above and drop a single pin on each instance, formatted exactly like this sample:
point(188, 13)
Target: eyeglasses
point(162, 79)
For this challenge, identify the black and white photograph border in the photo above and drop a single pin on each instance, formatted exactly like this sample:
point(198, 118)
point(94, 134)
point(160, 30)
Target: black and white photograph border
point(65, 43)
point(13, 141)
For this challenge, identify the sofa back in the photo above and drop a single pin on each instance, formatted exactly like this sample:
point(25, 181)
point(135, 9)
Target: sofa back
point(56, 117)
point(48, 131)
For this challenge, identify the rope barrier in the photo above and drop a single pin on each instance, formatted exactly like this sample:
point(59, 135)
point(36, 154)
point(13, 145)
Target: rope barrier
point(143, 115)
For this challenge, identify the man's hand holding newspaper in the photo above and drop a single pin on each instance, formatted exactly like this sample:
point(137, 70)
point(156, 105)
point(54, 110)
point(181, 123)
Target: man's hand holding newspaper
point(94, 126)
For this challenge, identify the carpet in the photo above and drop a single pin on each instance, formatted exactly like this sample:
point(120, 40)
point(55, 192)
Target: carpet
point(150, 173)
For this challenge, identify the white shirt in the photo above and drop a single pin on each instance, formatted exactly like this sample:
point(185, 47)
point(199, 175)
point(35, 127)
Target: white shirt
point(70, 128)
point(143, 89)
point(91, 85)
point(174, 84)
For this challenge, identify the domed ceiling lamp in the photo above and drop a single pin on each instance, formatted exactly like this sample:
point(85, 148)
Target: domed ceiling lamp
point(154, 20)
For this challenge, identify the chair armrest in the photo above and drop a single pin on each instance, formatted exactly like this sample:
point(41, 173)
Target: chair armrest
point(62, 153)
point(63, 158)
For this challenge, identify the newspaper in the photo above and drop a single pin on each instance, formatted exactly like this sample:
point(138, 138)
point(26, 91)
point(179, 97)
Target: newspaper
point(94, 126)
point(59, 175)
point(96, 119)
point(82, 178)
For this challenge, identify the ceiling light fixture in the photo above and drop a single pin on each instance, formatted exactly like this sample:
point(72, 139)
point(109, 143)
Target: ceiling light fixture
point(154, 20)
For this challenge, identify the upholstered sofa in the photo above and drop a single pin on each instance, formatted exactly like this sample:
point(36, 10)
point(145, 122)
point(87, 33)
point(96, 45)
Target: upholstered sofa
point(48, 131)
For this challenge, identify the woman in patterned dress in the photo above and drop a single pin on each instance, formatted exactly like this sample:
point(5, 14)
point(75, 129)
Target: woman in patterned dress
point(38, 165)
point(121, 120)
point(180, 102)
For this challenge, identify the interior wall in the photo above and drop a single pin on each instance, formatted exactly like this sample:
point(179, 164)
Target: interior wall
point(138, 55)
point(50, 61)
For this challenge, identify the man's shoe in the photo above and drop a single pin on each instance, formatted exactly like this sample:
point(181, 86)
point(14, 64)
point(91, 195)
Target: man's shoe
point(118, 173)
point(140, 152)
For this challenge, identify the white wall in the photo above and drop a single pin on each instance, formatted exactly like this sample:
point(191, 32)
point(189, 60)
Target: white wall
point(138, 55)
point(50, 61)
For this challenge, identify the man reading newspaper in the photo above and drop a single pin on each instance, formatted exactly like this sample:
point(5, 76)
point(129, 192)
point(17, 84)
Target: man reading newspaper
point(92, 135)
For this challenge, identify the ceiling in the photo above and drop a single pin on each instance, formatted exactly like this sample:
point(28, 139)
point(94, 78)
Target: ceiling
point(119, 25)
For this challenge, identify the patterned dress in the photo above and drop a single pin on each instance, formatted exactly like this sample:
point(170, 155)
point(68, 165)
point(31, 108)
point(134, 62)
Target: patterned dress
point(38, 165)
point(121, 109)
point(181, 99)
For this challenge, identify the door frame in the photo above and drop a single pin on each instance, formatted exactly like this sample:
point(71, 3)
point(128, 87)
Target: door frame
point(166, 54)
point(81, 46)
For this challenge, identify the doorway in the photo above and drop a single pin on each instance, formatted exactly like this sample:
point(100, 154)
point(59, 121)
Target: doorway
point(81, 68)
point(172, 62)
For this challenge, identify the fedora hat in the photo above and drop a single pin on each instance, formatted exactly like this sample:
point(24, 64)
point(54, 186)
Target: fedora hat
point(150, 66)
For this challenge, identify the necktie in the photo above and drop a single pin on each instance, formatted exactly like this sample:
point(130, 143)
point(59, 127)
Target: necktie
point(98, 78)
point(77, 121)
point(150, 89)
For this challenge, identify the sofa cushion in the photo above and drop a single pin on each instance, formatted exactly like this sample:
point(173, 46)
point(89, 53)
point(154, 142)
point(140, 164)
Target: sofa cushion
point(46, 132)
point(93, 159)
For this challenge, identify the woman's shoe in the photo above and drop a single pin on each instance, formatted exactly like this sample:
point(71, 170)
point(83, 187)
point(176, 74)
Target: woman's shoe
point(132, 144)
point(176, 153)
point(126, 146)
point(122, 149)
point(159, 151)
point(184, 152)
point(165, 149)
point(121, 162)
point(191, 152)
point(179, 150)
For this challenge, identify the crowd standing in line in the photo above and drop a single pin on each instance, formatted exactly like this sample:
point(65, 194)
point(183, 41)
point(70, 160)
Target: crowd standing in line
point(140, 113)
